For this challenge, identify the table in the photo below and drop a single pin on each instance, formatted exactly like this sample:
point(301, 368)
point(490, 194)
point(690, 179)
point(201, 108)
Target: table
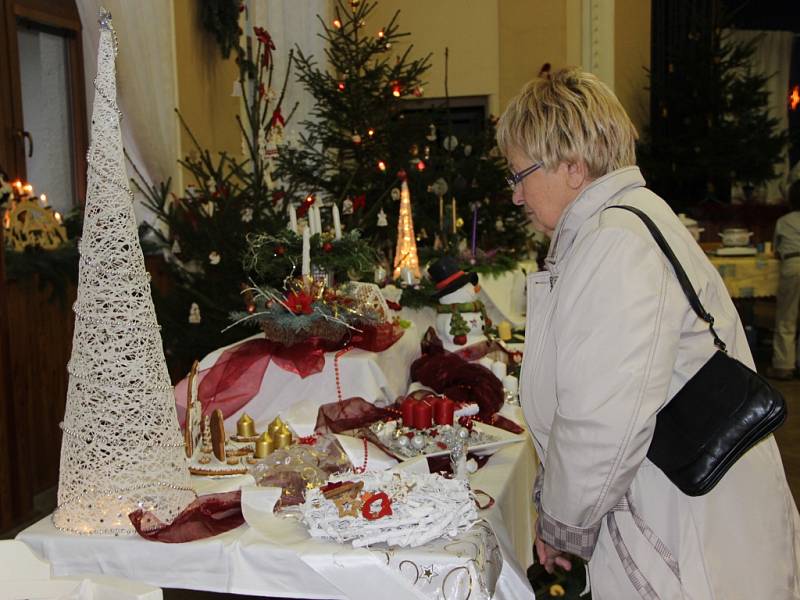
point(748, 276)
point(378, 377)
point(244, 561)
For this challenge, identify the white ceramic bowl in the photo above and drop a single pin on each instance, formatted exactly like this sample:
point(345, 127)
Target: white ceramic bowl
point(735, 237)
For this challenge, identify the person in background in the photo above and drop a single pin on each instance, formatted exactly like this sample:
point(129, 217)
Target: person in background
point(787, 248)
point(610, 339)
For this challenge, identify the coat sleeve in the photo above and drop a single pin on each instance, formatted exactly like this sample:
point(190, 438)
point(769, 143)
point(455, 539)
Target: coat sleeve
point(618, 323)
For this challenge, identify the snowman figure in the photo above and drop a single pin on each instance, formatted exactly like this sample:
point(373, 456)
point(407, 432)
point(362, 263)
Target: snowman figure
point(461, 317)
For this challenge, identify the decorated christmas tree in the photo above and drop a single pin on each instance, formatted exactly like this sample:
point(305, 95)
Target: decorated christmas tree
point(358, 139)
point(203, 231)
point(710, 125)
point(365, 138)
point(122, 447)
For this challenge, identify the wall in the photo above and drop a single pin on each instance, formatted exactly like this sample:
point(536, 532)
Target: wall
point(632, 57)
point(205, 84)
point(469, 28)
point(531, 34)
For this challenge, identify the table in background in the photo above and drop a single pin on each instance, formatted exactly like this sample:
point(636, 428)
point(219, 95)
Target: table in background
point(748, 276)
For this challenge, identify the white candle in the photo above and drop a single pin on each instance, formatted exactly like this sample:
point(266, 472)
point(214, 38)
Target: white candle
point(306, 268)
point(510, 384)
point(499, 369)
point(337, 225)
point(292, 218)
point(318, 217)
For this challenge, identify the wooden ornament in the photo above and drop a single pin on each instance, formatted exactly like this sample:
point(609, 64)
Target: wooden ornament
point(218, 435)
point(348, 506)
point(189, 432)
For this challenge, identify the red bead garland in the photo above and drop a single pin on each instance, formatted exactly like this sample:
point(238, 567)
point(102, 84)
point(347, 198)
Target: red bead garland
point(336, 358)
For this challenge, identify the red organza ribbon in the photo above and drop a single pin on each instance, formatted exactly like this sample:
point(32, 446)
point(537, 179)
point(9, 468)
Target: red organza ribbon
point(205, 517)
point(237, 375)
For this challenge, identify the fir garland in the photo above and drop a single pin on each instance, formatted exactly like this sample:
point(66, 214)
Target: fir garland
point(271, 258)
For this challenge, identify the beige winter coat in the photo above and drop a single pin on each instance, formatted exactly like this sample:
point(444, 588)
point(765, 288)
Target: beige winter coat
point(610, 338)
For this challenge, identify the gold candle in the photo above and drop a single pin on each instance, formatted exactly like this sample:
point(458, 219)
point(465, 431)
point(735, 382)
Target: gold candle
point(245, 426)
point(275, 427)
point(264, 445)
point(504, 330)
point(283, 439)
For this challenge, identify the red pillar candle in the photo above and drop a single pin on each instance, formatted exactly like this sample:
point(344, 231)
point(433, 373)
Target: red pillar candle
point(423, 415)
point(443, 411)
point(407, 408)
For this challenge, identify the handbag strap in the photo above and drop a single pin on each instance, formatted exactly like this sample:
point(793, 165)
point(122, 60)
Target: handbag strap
point(683, 279)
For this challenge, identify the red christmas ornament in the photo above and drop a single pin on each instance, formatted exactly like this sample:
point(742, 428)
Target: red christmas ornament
point(327, 247)
point(280, 250)
point(402, 175)
point(340, 85)
point(460, 340)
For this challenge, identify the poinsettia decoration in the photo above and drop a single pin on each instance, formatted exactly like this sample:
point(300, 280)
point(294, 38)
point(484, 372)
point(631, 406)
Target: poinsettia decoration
point(300, 302)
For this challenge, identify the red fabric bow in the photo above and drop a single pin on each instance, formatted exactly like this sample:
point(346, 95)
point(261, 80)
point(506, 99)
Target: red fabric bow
point(207, 516)
point(359, 201)
point(237, 375)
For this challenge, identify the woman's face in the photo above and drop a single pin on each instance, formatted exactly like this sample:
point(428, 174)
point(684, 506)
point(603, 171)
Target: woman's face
point(545, 194)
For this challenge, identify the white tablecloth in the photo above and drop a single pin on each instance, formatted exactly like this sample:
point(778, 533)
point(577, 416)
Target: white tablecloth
point(378, 377)
point(244, 562)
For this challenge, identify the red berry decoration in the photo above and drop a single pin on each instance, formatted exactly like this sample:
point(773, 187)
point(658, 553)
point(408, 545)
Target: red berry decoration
point(327, 246)
point(460, 340)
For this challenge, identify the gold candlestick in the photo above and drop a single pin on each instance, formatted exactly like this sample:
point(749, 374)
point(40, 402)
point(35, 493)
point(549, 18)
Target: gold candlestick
point(245, 427)
point(264, 445)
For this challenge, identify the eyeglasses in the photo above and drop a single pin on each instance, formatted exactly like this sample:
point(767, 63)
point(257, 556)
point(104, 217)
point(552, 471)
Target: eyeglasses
point(515, 178)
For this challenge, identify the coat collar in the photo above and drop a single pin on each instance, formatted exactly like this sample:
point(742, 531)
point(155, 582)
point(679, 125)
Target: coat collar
point(594, 197)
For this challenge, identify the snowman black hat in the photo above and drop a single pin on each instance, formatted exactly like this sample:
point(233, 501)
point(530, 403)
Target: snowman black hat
point(448, 276)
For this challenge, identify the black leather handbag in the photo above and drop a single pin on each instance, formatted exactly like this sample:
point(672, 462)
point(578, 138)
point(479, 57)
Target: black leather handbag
point(721, 412)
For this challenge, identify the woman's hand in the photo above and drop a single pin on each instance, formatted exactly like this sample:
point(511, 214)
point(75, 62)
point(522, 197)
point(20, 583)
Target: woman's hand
point(550, 558)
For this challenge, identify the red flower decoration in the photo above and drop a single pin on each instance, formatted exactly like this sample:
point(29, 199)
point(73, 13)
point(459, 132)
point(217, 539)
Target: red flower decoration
point(299, 303)
point(384, 511)
point(266, 39)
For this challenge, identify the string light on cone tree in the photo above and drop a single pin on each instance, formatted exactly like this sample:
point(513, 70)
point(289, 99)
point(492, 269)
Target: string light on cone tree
point(406, 254)
point(794, 98)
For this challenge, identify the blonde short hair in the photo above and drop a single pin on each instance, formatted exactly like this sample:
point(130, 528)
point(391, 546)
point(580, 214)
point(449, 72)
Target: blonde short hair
point(570, 118)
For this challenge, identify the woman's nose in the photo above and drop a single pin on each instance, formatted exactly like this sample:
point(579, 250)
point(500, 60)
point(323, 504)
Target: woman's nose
point(517, 197)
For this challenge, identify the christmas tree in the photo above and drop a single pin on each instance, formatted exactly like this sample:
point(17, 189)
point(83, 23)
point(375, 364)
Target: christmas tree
point(710, 124)
point(358, 139)
point(363, 141)
point(122, 447)
point(205, 229)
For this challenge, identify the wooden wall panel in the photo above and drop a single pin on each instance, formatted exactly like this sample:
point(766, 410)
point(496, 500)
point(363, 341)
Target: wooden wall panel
point(40, 336)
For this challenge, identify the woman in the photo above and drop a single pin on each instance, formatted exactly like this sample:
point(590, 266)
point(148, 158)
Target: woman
point(610, 339)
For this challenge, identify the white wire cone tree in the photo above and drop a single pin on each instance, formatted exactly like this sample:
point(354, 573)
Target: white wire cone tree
point(122, 448)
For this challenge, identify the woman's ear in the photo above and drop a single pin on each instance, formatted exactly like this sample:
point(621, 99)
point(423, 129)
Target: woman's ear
point(577, 175)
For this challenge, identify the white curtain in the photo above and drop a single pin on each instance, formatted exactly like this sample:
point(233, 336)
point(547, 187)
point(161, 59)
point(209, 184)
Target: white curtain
point(773, 57)
point(293, 23)
point(146, 83)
